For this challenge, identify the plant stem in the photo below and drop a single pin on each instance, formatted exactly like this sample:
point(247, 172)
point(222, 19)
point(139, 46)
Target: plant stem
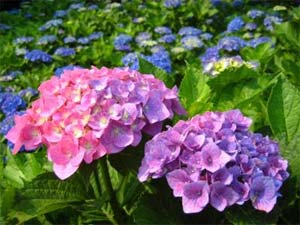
point(106, 186)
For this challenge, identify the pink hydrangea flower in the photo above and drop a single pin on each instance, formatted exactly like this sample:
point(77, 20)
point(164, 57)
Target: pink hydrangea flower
point(86, 114)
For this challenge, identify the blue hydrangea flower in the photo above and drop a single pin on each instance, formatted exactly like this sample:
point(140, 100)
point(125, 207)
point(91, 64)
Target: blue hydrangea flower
point(172, 3)
point(93, 7)
point(269, 21)
point(10, 76)
point(51, 23)
point(143, 36)
point(23, 40)
point(236, 24)
point(163, 30)
point(237, 3)
point(38, 55)
point(21, 51)
point(60, 70)
point(12, 103)
point(257, 41)
point(254, 13)
point(157, 48)
point(64, 51)
point(69, 39)
point(251, 26)
point(140, 19)
point(189, 31)
point(60, 13)
point(191, 42)
point(28, 92)
point(210, 55)
point(4, 27)
point(131, 60)
point(168, 38)
point(231, 43)
point(83, 40)
point(95, 35)
point(46, 39)
point(8, 122)
point(122, 41)
point(76, 6)
point(161, 59)
point(206, 36)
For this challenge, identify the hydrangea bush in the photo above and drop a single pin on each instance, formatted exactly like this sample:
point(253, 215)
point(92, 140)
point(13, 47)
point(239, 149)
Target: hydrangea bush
point(86, 114)
point(214, 159)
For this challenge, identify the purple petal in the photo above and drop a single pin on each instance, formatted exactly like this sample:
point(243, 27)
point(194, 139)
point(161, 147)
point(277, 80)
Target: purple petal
point(155, 110)
point(195, 197)
point(176, 180)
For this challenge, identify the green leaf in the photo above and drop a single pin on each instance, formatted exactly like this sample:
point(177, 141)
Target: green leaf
point(262, 52)
point(129, 190)
point(238, 95)
point(284, 108)
point(29, 209)
point(194, 92)
point(290, 32)
point(45, 194)
point(24, 167)
point(232, 76)
point(247, 215)
point(148, 68)
point(284, 117)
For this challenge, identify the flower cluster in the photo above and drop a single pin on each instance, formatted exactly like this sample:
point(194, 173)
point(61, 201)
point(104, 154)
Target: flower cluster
point(216, 67)
point(214, 159)
point(86, 114)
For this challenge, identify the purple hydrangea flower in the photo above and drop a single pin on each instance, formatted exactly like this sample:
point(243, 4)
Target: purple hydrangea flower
point(163, 30)
point(191, 42)
point(64, 51)
point(38, 55)
point(121, 42)
point(189, 31)
point(195, 196)
point(214, 159)
point(236, 24)
point(23, 40)
point(172, 3)
point(263, 193)
point(168, 38)
point(231, 43)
